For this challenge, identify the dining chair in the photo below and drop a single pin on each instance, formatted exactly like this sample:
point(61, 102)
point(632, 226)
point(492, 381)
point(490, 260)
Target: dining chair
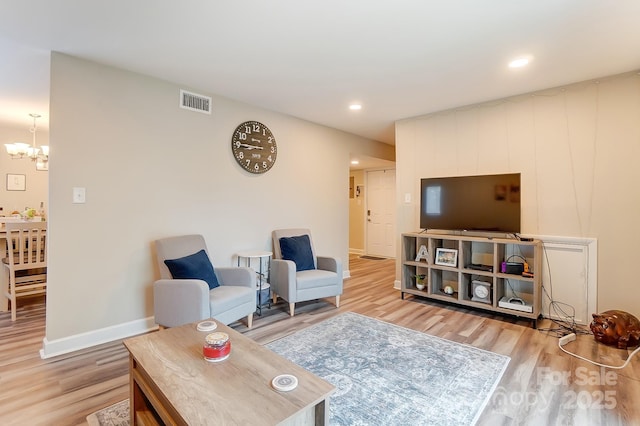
point(25, 259)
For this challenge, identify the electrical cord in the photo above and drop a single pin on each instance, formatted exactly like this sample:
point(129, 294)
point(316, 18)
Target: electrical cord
point(567, 328)
point(568, 324)
point(571, 337)
point(516, 255)
point(515, 294)
point(512, 290)
point(565, 322)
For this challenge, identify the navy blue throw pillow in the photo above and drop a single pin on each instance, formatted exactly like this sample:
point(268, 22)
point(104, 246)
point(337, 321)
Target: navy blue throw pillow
point(195, 266)
point(298, 249)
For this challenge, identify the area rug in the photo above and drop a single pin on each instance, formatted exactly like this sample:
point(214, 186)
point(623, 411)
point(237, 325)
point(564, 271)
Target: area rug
point(114, 415)
point(384, 374)
point(390, 375)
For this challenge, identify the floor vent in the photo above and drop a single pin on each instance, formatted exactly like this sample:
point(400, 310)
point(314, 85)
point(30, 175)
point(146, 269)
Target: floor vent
point(195, 102)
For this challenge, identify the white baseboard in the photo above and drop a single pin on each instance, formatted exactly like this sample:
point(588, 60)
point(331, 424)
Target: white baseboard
point(51, 348)
point(346, 274)
point(356, 251)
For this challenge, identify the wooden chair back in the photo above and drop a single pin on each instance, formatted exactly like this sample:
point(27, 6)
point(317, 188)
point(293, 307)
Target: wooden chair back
point(26, 245)
point(25, 257)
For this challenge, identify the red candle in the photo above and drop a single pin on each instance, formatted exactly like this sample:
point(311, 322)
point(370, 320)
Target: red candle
point(217, 347)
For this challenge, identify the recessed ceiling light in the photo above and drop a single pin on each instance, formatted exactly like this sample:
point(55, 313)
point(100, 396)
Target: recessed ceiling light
point(354, 162)
point(519, 63)
point(355, 107)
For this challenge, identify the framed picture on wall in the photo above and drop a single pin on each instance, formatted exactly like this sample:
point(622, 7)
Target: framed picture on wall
point(16, 182)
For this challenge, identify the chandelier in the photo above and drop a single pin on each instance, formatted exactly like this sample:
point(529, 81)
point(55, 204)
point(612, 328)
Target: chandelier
point(19, 150)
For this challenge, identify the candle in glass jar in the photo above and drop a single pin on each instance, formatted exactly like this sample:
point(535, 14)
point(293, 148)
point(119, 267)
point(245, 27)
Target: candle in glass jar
point(217, 347)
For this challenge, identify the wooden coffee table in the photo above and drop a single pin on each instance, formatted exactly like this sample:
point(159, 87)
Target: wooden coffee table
point(171, 383)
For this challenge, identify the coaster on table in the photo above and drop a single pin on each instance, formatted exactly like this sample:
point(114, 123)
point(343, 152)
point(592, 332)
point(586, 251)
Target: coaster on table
point(207, 326)
point(284, 382)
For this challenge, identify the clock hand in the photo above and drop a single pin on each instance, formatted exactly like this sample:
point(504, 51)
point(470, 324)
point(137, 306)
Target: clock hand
point(249, 146)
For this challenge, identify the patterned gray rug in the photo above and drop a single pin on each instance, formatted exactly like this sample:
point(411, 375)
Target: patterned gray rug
point(384, 374)
point(114, 415)
point(390, 375)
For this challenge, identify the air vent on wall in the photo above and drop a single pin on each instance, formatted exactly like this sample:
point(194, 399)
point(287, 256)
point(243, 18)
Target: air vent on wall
point(195, 102)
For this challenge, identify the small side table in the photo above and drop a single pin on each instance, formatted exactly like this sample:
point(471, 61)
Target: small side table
point(263, 276)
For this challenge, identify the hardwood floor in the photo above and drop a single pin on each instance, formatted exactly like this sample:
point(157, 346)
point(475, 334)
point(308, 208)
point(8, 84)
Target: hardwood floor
point(542, 385)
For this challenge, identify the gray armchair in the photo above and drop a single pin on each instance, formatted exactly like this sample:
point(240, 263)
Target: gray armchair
point(322, 279)
point(181, 301)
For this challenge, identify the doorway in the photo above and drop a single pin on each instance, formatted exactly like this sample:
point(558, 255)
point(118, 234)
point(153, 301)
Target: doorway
point(380, 221)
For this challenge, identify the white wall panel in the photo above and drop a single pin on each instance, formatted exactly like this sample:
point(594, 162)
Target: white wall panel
point(569, 278)
point(576, 147)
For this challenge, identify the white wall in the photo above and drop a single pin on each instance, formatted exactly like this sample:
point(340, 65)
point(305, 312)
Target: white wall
point(36, 180)
point(577, 148)
point(153, 170)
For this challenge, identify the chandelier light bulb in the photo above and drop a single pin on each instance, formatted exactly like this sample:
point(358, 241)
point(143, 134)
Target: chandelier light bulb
point(18, 150)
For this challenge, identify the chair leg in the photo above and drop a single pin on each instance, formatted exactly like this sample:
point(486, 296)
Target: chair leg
point(249, 320)
point(13, 306)
point(4, 291)
point(338, 301)
point(292, 307)
point(12, 298)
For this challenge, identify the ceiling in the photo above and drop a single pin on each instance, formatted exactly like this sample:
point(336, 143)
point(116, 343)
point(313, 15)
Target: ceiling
point(311, 59)
point(364, 162)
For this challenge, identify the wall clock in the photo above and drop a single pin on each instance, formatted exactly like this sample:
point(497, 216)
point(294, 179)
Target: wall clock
point(254, 147)
point(481, 291)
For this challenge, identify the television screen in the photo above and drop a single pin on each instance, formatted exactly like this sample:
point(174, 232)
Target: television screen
point(471, 203)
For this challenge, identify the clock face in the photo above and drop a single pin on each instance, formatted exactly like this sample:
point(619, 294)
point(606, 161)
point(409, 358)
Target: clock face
point(481, 292)
point(254, 147)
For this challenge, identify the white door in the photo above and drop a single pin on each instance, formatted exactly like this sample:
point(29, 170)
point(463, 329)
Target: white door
point(381, 213)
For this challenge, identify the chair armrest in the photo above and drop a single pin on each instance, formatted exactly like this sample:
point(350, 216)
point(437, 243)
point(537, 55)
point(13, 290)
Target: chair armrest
point(236, 276)
point(332, 264)
point(282, 278)
point(178, 302)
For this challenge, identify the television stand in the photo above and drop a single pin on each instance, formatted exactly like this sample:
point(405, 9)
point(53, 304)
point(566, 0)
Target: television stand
point(467, 271)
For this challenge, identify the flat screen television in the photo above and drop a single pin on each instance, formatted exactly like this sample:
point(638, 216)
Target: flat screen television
point(487, 203)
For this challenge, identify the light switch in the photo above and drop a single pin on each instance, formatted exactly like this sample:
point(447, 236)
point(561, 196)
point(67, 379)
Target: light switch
point(407, 197)
point(79, 195)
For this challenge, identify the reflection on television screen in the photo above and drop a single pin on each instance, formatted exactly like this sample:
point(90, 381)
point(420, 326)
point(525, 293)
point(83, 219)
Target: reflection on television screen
point(432, 200)
point(471, 203)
